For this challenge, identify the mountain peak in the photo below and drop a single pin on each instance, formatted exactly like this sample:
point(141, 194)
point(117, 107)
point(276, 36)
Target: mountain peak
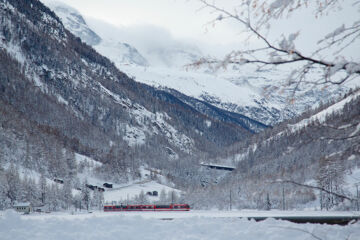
point(74, 21)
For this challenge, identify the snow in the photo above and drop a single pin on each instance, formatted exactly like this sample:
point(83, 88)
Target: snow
point(352, 180)
point(22, 204)
point(134, 136)
point(124, 193)
point(189, 225)
point(62, 100)
point(357, 130)
point(122, 53)
point(31, 174)
point(79, 158)
point(195, 84)
point(321, 116)
point(208, 123)
point(137, 134)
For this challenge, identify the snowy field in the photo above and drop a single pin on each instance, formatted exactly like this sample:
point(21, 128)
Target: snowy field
point(121, 194)
point(197, 225)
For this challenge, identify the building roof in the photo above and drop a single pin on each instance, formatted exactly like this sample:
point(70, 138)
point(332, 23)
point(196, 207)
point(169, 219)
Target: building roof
point(22, 204)
point(217, 166)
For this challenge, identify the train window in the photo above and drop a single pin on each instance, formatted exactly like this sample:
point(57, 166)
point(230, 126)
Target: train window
point(162, 206)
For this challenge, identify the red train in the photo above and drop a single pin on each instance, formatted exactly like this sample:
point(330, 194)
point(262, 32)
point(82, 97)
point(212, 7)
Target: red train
point(129, 208)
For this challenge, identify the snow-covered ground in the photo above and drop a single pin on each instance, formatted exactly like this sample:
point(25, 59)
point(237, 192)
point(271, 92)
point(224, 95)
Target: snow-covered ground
point(122, 194)
point(321, 116)
point(119, 226)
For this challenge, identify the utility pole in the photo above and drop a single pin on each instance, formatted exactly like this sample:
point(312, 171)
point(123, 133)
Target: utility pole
point(283, 198)
point(230, 200)
point(321, 200)
point(357, 196)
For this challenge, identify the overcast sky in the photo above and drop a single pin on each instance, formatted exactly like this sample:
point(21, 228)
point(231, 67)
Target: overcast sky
point(185, 20)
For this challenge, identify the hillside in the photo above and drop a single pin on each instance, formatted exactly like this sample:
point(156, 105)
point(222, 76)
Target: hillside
point(319, 148)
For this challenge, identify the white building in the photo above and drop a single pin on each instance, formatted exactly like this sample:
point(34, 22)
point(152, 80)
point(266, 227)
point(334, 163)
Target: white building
point(24, 207)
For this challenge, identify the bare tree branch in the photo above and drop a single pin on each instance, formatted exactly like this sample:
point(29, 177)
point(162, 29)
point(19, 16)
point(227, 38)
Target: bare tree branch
point(286, 49)
point(317, 188)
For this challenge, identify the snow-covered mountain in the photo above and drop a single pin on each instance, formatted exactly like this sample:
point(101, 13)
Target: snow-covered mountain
point(67, 93)
point(73, 20)
point(121, 52)
point(320, 149)
point(248, 91)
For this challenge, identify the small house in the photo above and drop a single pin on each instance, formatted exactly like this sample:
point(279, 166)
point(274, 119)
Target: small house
point(92, 187)
point(39, 209)
point(108, 185)
point(23, 207)
point(59, 181)
point(155, 193)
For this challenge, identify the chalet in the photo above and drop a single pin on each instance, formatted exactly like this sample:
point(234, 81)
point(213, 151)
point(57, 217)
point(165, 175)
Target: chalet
point(108, 185)
point(39, 209)
point(155, 193)
point(23, 207)
point(59, 181)
point(91, 186)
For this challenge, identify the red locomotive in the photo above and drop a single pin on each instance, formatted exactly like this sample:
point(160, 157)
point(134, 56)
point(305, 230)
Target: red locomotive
point(129, 208)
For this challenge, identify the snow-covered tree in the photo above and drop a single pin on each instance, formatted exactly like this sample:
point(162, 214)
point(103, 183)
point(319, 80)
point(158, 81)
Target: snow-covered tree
point(330, 178)
point(85, 195)
point(334, 55)
point(30, 191)
point(66, 194)
point(98, 200)
point(4, 201)
point(12, 184)
point(163, 196)
point(43, 189)
point(173, 197)
point(53, 200)
point(141, 198)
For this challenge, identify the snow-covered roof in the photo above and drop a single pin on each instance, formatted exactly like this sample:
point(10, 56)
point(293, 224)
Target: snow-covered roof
point(216, 165)
point(22, 204)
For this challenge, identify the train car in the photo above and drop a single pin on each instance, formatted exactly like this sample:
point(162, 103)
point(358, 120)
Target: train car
point(130, 208)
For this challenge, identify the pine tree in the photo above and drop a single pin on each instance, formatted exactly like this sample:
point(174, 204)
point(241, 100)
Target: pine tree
point(67, 196)
point(13, 184)
point(43, 189)
point(85, 195)
point(142, 198)
point(268, 203)
point(163, 196)
point(98, 199)
point(4, 201)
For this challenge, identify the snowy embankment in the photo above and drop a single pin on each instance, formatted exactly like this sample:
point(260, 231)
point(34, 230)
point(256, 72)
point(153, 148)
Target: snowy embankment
point(116, 226)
